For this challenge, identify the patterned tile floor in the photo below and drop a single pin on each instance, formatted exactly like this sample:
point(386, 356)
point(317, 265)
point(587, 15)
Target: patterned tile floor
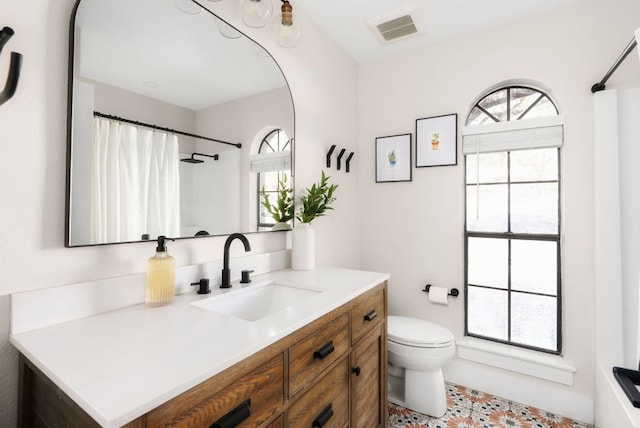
point(468, 408)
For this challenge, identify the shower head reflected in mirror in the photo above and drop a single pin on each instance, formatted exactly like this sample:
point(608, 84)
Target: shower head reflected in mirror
point(192, 159)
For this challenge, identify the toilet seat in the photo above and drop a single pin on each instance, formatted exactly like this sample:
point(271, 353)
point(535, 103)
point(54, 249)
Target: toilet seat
point(418, 333)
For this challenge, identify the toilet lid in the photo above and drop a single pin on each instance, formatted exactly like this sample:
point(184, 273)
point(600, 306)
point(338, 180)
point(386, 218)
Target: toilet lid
point(416, 332)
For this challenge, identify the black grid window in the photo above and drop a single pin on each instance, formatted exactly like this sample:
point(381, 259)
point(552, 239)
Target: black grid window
point(512, 233)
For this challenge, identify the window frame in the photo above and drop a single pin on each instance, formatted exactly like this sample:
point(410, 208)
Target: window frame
point(510, 236)
point(508, 88)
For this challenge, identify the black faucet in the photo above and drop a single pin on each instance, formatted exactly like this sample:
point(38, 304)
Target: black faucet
point(226, 273)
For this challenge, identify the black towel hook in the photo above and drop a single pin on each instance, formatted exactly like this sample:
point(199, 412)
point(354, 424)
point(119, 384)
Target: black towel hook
point(14, 67)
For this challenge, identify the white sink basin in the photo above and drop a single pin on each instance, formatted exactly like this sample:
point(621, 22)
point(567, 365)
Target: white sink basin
point(257, 301)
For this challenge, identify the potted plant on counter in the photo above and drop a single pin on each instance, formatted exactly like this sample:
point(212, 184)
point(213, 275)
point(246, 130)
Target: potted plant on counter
point(282, 210)
point(314, 203)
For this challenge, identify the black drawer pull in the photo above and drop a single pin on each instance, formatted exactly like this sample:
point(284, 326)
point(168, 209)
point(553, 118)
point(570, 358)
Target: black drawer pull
point(234, 417)
point(324, 351)
point(323, 417)
point(356, 370)
point(371, 315)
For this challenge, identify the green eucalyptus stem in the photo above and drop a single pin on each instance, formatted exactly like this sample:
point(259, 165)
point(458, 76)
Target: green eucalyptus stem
point(317, 200)
point(282, 211)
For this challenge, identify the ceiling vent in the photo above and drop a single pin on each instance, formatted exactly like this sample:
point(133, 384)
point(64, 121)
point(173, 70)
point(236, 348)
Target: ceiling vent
point(397, 25)
point(396, 28)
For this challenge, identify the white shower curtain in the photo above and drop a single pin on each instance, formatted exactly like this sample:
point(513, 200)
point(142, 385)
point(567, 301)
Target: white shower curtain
point(135, 184)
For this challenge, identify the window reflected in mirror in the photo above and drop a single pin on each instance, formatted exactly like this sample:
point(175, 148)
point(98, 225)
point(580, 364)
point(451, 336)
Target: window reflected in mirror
point(275, 195)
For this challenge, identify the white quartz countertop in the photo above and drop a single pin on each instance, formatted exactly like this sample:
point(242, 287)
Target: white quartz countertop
point(121, 364)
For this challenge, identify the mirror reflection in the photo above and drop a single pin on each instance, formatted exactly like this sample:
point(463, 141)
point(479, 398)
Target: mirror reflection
point(179, 125)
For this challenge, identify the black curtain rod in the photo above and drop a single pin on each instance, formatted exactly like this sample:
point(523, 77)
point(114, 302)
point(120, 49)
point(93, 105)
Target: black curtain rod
point(160, 128)
point(600, 85)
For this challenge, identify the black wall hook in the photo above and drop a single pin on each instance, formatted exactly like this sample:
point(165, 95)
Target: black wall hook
point(329, 153)
point(14, 67)
point(349, 161)
point(5, 35)
point(340, 159)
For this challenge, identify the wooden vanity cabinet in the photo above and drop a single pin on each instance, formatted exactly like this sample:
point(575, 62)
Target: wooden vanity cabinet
point(331, 372)
point(369, 360)
point(368, 386)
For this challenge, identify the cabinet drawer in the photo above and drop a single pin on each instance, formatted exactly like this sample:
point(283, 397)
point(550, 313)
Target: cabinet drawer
point(327, 401)
point(317, 352)
point(264, 387)
point(366, 314)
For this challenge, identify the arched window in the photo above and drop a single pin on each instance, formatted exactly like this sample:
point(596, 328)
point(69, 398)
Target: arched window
point(512, 142)
point(511, 103)
point(275, 147)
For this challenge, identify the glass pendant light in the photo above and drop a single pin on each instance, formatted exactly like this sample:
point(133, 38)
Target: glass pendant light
point(188, 7)
point(227, 30)
point(256, 13)
point(288, 29)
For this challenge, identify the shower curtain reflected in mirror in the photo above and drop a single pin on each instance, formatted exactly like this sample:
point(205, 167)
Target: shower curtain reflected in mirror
point(135, 183)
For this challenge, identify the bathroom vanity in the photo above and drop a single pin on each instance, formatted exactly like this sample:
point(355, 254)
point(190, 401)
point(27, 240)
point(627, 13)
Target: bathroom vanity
point(318, 362)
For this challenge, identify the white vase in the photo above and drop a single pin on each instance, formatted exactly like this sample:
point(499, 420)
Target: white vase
point(281, 225)
point(303, 247)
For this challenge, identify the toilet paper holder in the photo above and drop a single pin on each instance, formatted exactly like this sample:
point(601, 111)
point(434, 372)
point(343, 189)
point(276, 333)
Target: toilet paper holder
point(454, 292)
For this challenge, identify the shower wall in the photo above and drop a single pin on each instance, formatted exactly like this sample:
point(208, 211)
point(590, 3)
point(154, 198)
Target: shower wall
point(617, 132)
point(210, 194)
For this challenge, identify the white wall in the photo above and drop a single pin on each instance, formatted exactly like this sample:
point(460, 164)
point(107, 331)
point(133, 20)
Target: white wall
point(80, 183)
point(415, 230)
point(32, 166)
point(129, 105)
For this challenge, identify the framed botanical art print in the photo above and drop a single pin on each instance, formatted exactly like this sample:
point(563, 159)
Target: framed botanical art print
point(437, 141)
point(393, 158)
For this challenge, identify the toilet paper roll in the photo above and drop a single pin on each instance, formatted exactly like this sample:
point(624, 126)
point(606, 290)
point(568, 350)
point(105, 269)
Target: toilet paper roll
point(439, 295)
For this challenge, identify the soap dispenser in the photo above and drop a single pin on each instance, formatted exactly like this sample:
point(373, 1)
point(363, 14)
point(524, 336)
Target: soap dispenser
point(161, 278)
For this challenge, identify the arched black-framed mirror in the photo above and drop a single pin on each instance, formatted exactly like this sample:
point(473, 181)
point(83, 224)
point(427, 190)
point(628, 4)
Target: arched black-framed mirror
point(176, 66)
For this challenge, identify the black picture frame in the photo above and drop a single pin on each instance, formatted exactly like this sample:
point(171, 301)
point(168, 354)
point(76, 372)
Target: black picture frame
point(393, 158)
point(437, 141)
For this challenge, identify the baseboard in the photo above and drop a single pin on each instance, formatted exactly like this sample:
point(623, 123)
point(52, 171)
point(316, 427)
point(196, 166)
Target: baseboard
point(544, 395)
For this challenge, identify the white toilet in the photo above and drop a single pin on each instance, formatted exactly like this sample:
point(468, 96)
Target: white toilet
point(417, 351)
